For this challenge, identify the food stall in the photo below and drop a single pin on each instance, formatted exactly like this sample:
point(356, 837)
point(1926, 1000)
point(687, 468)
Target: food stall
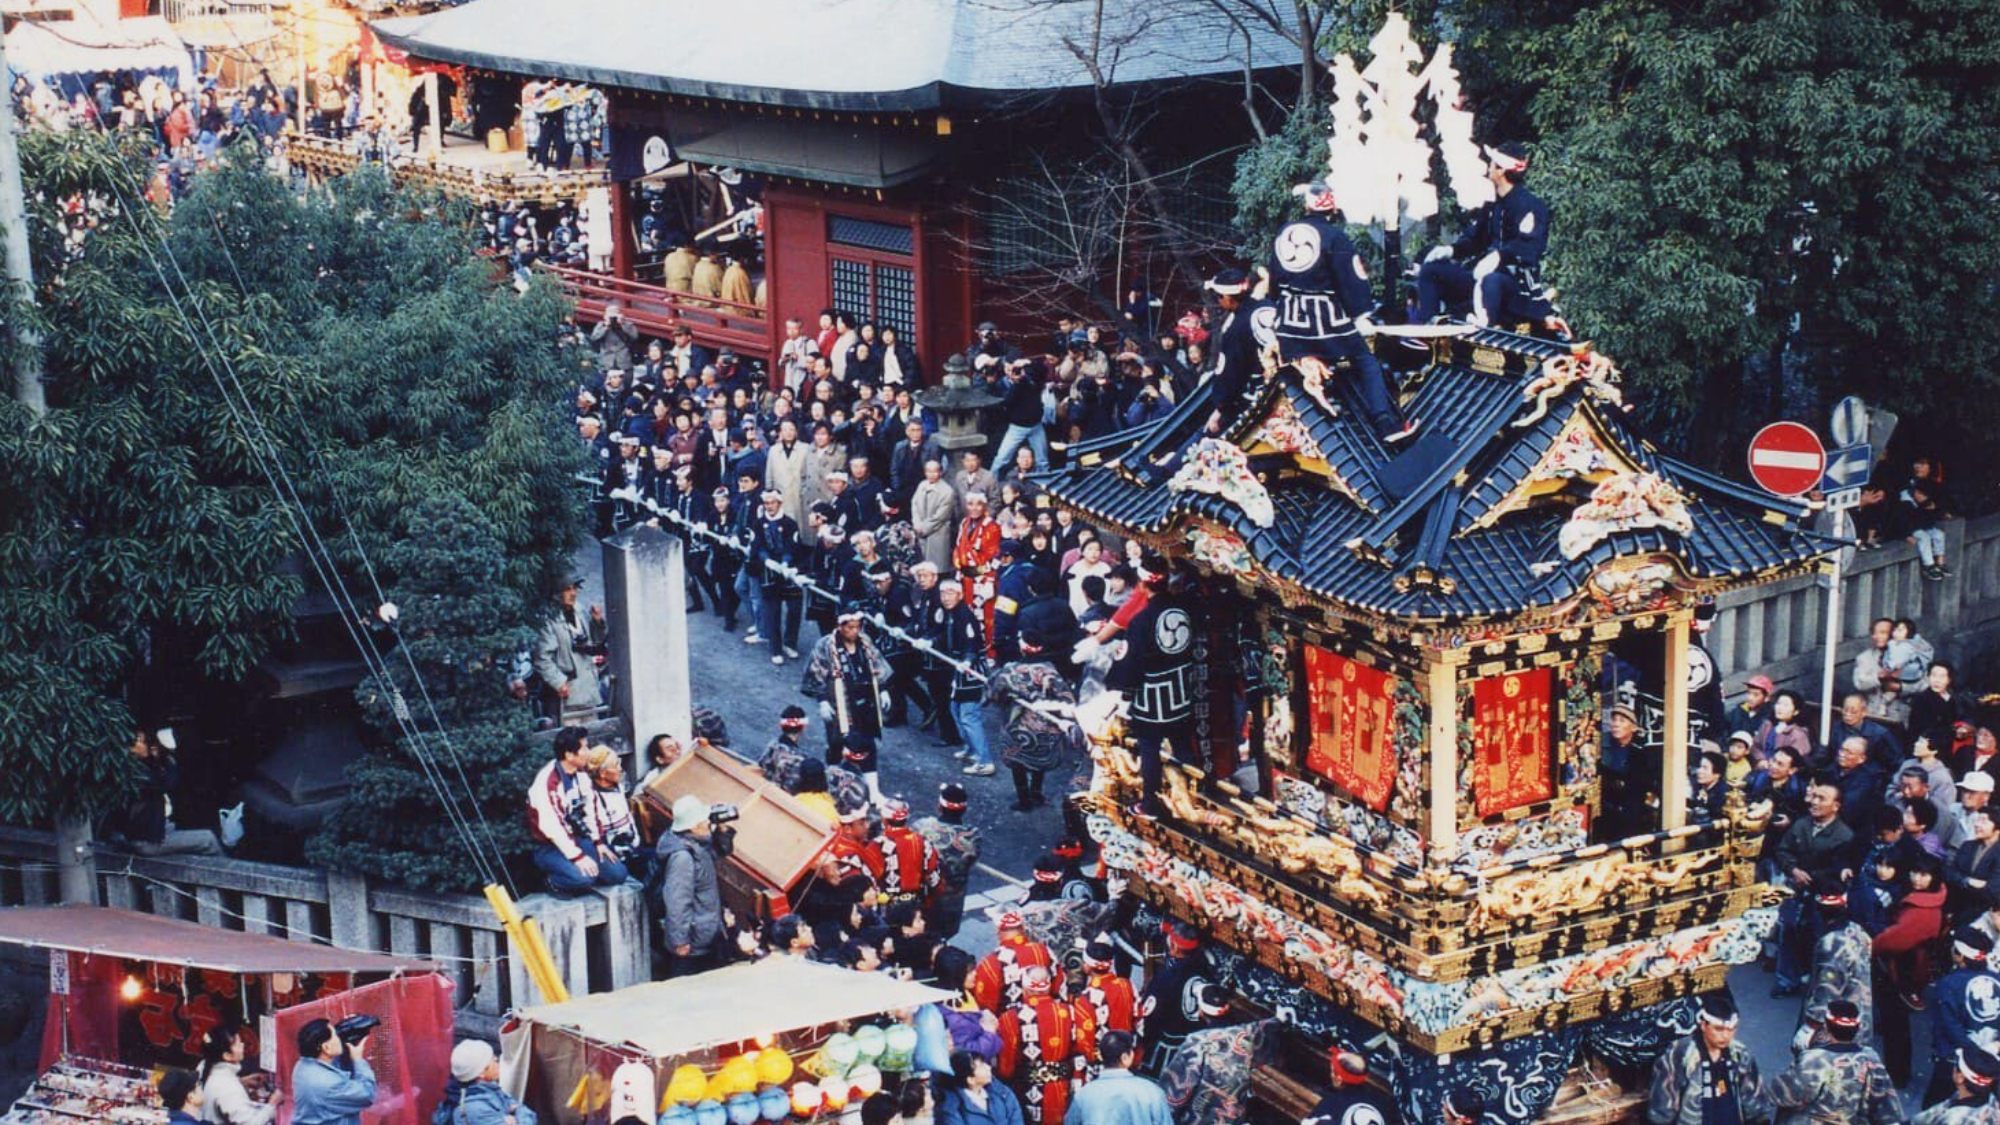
point(130, 994)
point(779, 1039)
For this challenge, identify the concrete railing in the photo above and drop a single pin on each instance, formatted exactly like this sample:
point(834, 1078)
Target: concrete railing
point(599, 941)
point(1780, 629)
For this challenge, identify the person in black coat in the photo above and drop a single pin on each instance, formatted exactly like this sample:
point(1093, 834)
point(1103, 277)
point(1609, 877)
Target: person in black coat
point(776, 541)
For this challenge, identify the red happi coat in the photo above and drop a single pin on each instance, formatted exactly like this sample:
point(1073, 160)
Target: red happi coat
point(996, 981)
point(1106, 1003)
point(909, 864)
point(1039, 1057)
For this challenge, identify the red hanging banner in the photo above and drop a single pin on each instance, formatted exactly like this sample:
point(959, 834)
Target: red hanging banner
point(1514, 740)
point(1348, 711)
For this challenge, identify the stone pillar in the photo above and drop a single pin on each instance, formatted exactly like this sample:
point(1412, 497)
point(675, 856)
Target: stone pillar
point(627, 942)
point(347, 910)
point(1441, 818)
point(645, 604)
point(1674, 739)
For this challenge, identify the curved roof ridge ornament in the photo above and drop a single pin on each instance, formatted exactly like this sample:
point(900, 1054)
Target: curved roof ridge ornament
point(1584, 366)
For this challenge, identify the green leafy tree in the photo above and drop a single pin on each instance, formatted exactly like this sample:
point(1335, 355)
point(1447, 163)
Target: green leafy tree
point(438, 444)
point(1760, 205)
point(406, 395)
point(135, 527)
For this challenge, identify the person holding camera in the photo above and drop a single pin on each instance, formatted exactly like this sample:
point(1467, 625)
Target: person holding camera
point(332, 1082)
point(690, 899)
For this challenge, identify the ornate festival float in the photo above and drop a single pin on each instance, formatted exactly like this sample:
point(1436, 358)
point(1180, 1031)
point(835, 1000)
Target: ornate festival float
point(1400, 817)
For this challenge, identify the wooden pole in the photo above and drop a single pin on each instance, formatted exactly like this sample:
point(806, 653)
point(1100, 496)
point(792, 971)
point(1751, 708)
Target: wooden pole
point(434, 128)
point(1674, 740)
point(1441, 821)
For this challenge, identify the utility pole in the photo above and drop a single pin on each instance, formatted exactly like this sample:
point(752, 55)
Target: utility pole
point(20, 269)
point(76, 865)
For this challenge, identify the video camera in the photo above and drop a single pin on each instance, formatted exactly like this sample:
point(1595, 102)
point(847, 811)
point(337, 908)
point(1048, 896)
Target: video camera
point(722, 838)
point(351, 1031)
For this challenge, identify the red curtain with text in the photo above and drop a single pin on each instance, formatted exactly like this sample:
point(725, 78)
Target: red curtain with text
point(1349, 708)
point(1513, 739)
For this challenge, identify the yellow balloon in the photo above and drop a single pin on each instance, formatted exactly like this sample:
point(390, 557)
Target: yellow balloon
point(738, 1076)
point(774, 1066)
point(688, 1085)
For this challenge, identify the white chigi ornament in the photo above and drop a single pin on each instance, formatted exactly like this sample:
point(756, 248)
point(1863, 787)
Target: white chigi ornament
point(1378, 161)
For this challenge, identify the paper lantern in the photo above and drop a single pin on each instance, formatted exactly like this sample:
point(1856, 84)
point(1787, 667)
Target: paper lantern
point(677, 1115)
point(710, 1112)
point(899, 1047)
point(868, 1043)
point(839, 1055)
point(773, 1104)
point(774, 1066)
point(688, 1085)
point(865, 1080)
point(805, 1098)
point(742, 1109)
point(833, 1094)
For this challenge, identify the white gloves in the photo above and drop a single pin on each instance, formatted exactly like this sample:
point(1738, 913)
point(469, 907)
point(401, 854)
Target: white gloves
point(826, 710)
point(1438, 253)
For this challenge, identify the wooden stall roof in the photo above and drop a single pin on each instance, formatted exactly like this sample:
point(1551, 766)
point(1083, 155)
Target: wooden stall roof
point(110, 932)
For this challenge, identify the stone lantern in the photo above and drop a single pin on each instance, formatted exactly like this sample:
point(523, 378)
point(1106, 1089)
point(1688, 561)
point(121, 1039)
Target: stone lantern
point(958, 403)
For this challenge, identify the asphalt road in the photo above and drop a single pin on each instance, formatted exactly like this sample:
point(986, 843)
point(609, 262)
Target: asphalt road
point(740, 683)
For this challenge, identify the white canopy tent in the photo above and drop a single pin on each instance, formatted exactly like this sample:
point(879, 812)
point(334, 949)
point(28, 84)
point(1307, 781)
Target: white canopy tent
point(46, 52)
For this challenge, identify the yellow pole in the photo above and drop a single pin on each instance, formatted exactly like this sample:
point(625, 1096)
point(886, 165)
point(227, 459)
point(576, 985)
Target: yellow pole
point(528, 945)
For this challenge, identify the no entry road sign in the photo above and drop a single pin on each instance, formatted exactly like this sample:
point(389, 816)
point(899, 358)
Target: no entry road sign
point(1787, 458)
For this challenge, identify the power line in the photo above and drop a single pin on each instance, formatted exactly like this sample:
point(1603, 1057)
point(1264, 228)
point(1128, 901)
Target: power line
point(262, 449)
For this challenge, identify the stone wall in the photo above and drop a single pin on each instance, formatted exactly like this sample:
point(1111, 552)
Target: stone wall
point(1780, 629)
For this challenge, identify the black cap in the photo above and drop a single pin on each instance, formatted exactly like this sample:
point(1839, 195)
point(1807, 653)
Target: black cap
point(1843, 1014)
point(1971, 941)
point(952, 795)
point(1048, 868)
point(792, 711)
point(1099, 952)
point(1829, 889)
point(1011, 548)
point(175, 1086)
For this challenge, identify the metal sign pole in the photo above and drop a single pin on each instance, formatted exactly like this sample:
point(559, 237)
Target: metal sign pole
point(1842, 527)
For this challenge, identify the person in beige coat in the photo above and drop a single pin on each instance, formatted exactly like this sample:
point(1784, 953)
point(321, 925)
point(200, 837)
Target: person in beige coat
point(934, 515)
point(736, 283)
point(680, 269)
point(785, 470)
point(823, 456)
point(707, 280)
point(971, 478)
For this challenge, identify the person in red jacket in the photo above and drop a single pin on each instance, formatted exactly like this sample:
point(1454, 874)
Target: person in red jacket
point(1106, 1002)
point(997, 981)
point(910, 869)
point(1903, 951)
point(1038, 1051)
